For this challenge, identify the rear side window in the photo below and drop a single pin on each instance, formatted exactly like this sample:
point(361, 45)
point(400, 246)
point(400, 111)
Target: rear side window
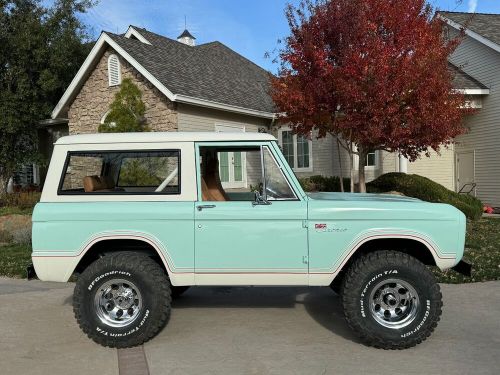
point(121, 172)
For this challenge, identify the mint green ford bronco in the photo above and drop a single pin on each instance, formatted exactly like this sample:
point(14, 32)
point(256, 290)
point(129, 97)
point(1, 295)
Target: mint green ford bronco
point(138, 218)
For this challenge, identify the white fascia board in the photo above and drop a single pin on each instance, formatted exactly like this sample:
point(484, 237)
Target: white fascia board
point(88, 63)
point(78, 77)
point(473, 91)
point(133, 32)
point(471, 33)
point(225, 107)
point(100, 45)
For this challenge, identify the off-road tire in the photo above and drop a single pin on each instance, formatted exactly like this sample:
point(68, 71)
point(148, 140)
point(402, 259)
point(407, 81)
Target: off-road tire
point(177, 291)
point(361, 281)
point(154, 288)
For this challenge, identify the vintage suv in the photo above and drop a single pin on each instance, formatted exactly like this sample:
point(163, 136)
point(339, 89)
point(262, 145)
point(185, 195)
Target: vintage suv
point(140, 217)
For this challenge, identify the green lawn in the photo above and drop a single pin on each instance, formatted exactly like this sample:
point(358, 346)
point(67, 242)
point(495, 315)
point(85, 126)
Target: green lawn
point(482, 250)
point(14, 259)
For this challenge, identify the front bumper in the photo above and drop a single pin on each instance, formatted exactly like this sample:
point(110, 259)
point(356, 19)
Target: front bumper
point(463, 267)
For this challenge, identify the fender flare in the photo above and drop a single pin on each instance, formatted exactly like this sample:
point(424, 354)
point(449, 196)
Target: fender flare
point(138, 236)
point(441, 260)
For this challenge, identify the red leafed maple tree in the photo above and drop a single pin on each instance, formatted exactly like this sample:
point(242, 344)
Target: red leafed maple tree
point(373, 73)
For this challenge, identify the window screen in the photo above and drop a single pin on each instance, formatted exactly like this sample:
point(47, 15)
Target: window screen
point(129, 172)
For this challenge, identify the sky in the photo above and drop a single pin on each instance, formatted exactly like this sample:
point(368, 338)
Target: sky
point(251, 28)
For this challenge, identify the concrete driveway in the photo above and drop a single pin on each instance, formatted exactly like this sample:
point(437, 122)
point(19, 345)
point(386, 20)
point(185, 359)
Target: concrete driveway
point(245, 331)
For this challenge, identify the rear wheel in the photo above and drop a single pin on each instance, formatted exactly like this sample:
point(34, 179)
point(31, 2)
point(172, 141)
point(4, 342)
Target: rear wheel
point(391, 300)
point(122, 300)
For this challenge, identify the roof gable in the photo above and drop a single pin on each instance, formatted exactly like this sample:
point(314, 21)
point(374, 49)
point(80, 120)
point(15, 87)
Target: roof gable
point(210, 75)
point(466, 83)
point(481, 26)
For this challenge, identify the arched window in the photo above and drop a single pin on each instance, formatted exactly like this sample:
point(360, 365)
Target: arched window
point(114, 71)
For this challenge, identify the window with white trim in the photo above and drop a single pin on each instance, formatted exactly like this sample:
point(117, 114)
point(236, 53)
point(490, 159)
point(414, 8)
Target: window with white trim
point(371, 161)
point(114, 70)
point(297, 150)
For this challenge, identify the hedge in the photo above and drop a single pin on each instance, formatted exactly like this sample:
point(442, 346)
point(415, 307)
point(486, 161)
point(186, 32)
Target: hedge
point(322, 183)
point(420, 187)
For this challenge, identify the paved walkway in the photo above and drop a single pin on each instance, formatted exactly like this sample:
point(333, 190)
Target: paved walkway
point(245, 331)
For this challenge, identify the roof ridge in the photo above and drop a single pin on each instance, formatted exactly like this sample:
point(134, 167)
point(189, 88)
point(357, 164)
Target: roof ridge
point(472, 14)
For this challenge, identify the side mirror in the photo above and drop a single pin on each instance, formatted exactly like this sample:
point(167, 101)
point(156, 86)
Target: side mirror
point(260, 200)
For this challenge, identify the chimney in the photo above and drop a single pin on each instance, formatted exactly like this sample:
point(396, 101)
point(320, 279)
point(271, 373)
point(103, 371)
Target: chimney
point(186, 38)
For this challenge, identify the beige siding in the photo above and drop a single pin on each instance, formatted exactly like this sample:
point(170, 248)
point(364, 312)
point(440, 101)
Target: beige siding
point(439, 168)
point(483, 137)
point(195, 119)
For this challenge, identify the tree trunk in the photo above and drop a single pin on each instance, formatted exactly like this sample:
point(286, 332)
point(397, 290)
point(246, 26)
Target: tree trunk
point(351, 160)
point(361, 171)
point(340, 167)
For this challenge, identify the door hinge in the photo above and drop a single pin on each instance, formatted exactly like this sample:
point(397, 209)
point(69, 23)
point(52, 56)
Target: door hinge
point(305, 259)
point(304, 224)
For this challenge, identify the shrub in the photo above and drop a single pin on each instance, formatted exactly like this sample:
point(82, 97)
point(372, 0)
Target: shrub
point(322, 183)
point(22, 200)
point(420, 187)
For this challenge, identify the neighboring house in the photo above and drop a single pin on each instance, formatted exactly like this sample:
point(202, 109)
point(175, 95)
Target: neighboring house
point(210, 87)
point(473, 162)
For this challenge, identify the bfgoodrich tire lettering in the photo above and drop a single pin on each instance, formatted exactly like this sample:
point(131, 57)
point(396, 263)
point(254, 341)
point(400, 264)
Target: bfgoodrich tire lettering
point(391, 300)
point(147, 288)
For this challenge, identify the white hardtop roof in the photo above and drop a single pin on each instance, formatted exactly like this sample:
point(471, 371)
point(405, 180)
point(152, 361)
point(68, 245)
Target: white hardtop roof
point(155, 137)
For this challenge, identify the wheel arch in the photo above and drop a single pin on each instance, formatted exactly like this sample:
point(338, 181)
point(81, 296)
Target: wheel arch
point(415, 246)
point(108, 245)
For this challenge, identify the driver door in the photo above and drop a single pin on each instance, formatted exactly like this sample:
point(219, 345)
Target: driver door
point(241, 241)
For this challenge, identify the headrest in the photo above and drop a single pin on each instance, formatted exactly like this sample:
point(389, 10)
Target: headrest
point(95, 183)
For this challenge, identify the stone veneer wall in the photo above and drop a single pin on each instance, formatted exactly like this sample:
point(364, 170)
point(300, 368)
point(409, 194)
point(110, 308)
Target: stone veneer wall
point(93, 100)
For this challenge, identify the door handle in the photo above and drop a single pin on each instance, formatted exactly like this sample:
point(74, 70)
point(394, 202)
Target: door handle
point(199, 208)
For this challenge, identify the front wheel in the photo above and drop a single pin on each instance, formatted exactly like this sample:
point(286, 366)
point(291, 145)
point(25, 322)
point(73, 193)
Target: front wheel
point(391, 300)
point(122, 300)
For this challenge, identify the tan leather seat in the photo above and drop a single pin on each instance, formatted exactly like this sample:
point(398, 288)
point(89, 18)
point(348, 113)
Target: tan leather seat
point(211, 186)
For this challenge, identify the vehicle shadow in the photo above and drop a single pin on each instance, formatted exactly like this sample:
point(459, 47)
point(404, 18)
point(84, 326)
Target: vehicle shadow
point(320, 303)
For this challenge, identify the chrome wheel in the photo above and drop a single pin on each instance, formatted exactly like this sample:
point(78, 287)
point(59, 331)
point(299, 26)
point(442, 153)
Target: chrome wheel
point(118, 303)
point(394, 303)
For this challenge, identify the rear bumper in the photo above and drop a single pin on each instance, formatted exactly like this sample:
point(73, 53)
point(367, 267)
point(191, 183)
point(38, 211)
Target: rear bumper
point(463, 267)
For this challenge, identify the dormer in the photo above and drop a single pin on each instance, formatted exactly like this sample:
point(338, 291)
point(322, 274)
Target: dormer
point(133, 33)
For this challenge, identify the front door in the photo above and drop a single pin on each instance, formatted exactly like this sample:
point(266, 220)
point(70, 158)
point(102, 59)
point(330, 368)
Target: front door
point(232, 164)
point(465, 172)
point(239, 242)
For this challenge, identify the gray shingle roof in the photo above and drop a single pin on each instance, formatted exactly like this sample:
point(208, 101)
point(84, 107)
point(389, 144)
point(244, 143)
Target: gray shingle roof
point(462, 80)
point(486, 25)
point(209, 71)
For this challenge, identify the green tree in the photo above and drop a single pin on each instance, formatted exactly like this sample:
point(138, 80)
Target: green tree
point(41, 49)
point(126, 112)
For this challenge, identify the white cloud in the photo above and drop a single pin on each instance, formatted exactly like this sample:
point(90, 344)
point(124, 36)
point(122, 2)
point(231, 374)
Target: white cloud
point(472, 6)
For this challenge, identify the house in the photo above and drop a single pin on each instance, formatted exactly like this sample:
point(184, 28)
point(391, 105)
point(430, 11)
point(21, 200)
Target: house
point(209, 87)
point(186, 87)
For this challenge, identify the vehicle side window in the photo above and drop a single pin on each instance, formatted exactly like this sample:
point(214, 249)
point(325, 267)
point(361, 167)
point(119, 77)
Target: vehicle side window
point(121, 172)
point(232, 173)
